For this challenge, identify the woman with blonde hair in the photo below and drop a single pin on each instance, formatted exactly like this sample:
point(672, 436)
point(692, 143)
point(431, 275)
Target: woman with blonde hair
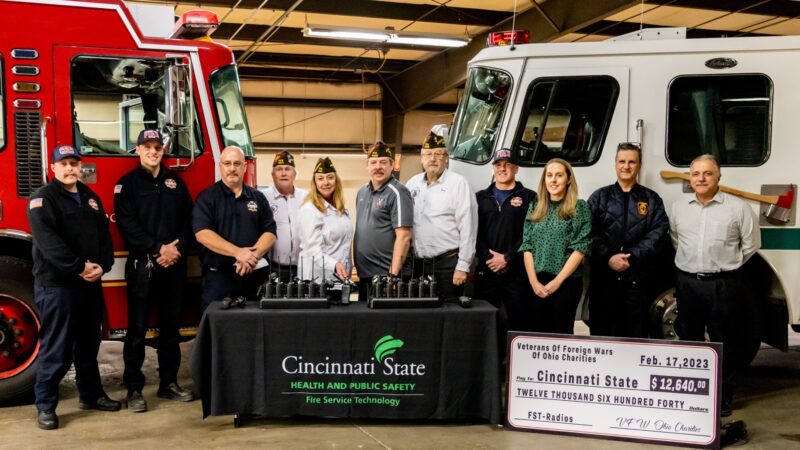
point(555, 240)
point(325, 227)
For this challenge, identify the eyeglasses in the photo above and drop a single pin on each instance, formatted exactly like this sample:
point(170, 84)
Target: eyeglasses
point(438, 154)
point(236, 164)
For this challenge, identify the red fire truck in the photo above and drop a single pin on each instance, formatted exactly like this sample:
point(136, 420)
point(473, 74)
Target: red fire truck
point(82, 73)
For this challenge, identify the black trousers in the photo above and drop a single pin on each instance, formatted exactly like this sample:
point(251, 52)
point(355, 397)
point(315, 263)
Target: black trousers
point(718, 306)
point(508, 293)
point(619, 304)
point(556, 313)
point(217, 285)
point(441, 268)
point(71, 320)
point(148, 288)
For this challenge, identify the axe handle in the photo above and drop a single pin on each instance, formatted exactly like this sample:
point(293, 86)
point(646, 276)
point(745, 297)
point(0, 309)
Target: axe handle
point(771, 199)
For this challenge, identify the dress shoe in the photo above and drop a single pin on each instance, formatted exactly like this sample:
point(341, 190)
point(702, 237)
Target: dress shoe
point(47, 420)
point(174, 392)
point(136, 402)
point(727, 408)
point(102, 404)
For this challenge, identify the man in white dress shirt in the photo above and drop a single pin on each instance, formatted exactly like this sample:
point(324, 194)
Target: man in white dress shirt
point(715, 234)
point(285, 200)
point(445, 218)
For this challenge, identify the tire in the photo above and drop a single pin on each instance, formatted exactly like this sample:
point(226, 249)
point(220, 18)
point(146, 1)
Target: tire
point(663, 312)
point(19, 329)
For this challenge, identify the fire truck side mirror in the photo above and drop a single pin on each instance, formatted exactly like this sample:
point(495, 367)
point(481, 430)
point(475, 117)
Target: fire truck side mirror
point(177, 95)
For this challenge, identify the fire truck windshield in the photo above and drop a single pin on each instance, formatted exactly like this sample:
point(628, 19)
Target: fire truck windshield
point(231, 117)
point(477, 121)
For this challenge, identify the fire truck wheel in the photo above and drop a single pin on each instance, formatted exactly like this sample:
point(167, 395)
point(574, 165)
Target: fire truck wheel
point(663, 312)
point(19, 329)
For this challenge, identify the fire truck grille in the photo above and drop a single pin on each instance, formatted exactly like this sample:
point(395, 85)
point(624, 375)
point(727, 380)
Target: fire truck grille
point(29, 152)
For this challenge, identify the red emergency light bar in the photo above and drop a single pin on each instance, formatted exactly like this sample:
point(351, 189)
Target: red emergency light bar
point(195, 23)
point(499, 38)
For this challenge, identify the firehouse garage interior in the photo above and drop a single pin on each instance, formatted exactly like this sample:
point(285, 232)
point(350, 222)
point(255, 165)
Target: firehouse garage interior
point(317, 93)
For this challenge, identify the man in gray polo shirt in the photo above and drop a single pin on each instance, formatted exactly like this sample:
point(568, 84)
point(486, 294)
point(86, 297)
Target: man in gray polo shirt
point(384, 217)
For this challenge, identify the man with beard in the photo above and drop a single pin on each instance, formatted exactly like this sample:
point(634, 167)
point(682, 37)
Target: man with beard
point(445, 219)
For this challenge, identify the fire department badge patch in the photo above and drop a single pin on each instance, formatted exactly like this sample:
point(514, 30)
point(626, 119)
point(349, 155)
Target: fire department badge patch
point(380, 202)
point(252, 206)
point(516, 202)
point(274, 208)
point(170, 183)
point(93, 204)
point(642, 206)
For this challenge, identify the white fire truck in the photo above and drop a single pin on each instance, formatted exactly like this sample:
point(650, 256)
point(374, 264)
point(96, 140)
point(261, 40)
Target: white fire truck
point(82, 73)
point(735, 98)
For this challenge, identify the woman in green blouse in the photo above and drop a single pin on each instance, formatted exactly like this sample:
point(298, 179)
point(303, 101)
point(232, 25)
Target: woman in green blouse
point(554, 242)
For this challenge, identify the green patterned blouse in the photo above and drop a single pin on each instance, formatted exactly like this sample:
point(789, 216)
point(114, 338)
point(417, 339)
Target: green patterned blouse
point(552, 240)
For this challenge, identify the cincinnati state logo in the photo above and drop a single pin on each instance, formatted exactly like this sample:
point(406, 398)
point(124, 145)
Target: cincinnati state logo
point(642, 207)
point(386, 346)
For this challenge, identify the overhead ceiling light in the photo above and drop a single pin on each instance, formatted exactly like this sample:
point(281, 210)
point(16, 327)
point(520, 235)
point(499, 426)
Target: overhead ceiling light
point(389, 36)
point(345, 33)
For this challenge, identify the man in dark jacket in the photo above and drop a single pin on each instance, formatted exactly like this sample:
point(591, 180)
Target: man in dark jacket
point(71, 251)
point(500, 275)
point(153, 210)
point(630, 227)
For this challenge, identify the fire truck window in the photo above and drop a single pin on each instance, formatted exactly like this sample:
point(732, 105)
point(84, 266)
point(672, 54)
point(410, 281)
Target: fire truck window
point(477, 124)
point(727, 116)
point(115, 98)
point(231, 117)
point(565, 118)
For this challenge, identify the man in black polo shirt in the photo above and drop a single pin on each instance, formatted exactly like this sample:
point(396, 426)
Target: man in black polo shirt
point(71, 251)
point(234, 224)
point(153, 210)
point(384, 217)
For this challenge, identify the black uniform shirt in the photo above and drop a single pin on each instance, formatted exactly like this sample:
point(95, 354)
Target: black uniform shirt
point(67, 234)
point(500, 225)
point(152, 211)
point(240, 221)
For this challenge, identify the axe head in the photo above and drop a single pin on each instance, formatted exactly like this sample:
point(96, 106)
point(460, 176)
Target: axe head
point(781, 211)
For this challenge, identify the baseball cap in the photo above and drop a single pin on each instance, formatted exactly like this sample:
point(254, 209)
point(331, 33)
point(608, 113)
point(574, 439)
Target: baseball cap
point(64, 151)
point(503, 154)
point(150, 135)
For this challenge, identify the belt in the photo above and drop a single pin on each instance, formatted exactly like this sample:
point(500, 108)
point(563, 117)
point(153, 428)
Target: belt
point(445, 255)
point(709, 275)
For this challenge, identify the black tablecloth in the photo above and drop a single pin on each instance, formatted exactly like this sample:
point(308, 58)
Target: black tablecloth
point(349, 361)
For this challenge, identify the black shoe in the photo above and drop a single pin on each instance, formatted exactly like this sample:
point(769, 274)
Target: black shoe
point(727, 408)
point(102, 404)
point(174, 392)
point(136, 402)
point(733, 434)
point(47, 420)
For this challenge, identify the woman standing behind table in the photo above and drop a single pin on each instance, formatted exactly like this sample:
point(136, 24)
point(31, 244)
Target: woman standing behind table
point(554, 242)
point(325, 227)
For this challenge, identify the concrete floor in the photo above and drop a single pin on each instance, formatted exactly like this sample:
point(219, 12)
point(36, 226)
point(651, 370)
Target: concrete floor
point(768, 400)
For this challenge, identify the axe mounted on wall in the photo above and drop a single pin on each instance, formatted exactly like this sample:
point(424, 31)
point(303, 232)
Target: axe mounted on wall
point(779, 205)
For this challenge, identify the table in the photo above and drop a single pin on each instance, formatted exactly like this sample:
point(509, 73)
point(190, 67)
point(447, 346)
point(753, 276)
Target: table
point(349, 361)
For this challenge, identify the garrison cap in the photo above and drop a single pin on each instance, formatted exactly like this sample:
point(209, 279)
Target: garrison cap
point(283, 158)
point(324, 165)
point(380, 150)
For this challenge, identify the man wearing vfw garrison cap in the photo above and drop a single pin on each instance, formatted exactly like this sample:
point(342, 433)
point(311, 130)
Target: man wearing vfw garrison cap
point(71, 250)
point(285, 200)
point(445, 218)
point(384, 217)
point(153, 208)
